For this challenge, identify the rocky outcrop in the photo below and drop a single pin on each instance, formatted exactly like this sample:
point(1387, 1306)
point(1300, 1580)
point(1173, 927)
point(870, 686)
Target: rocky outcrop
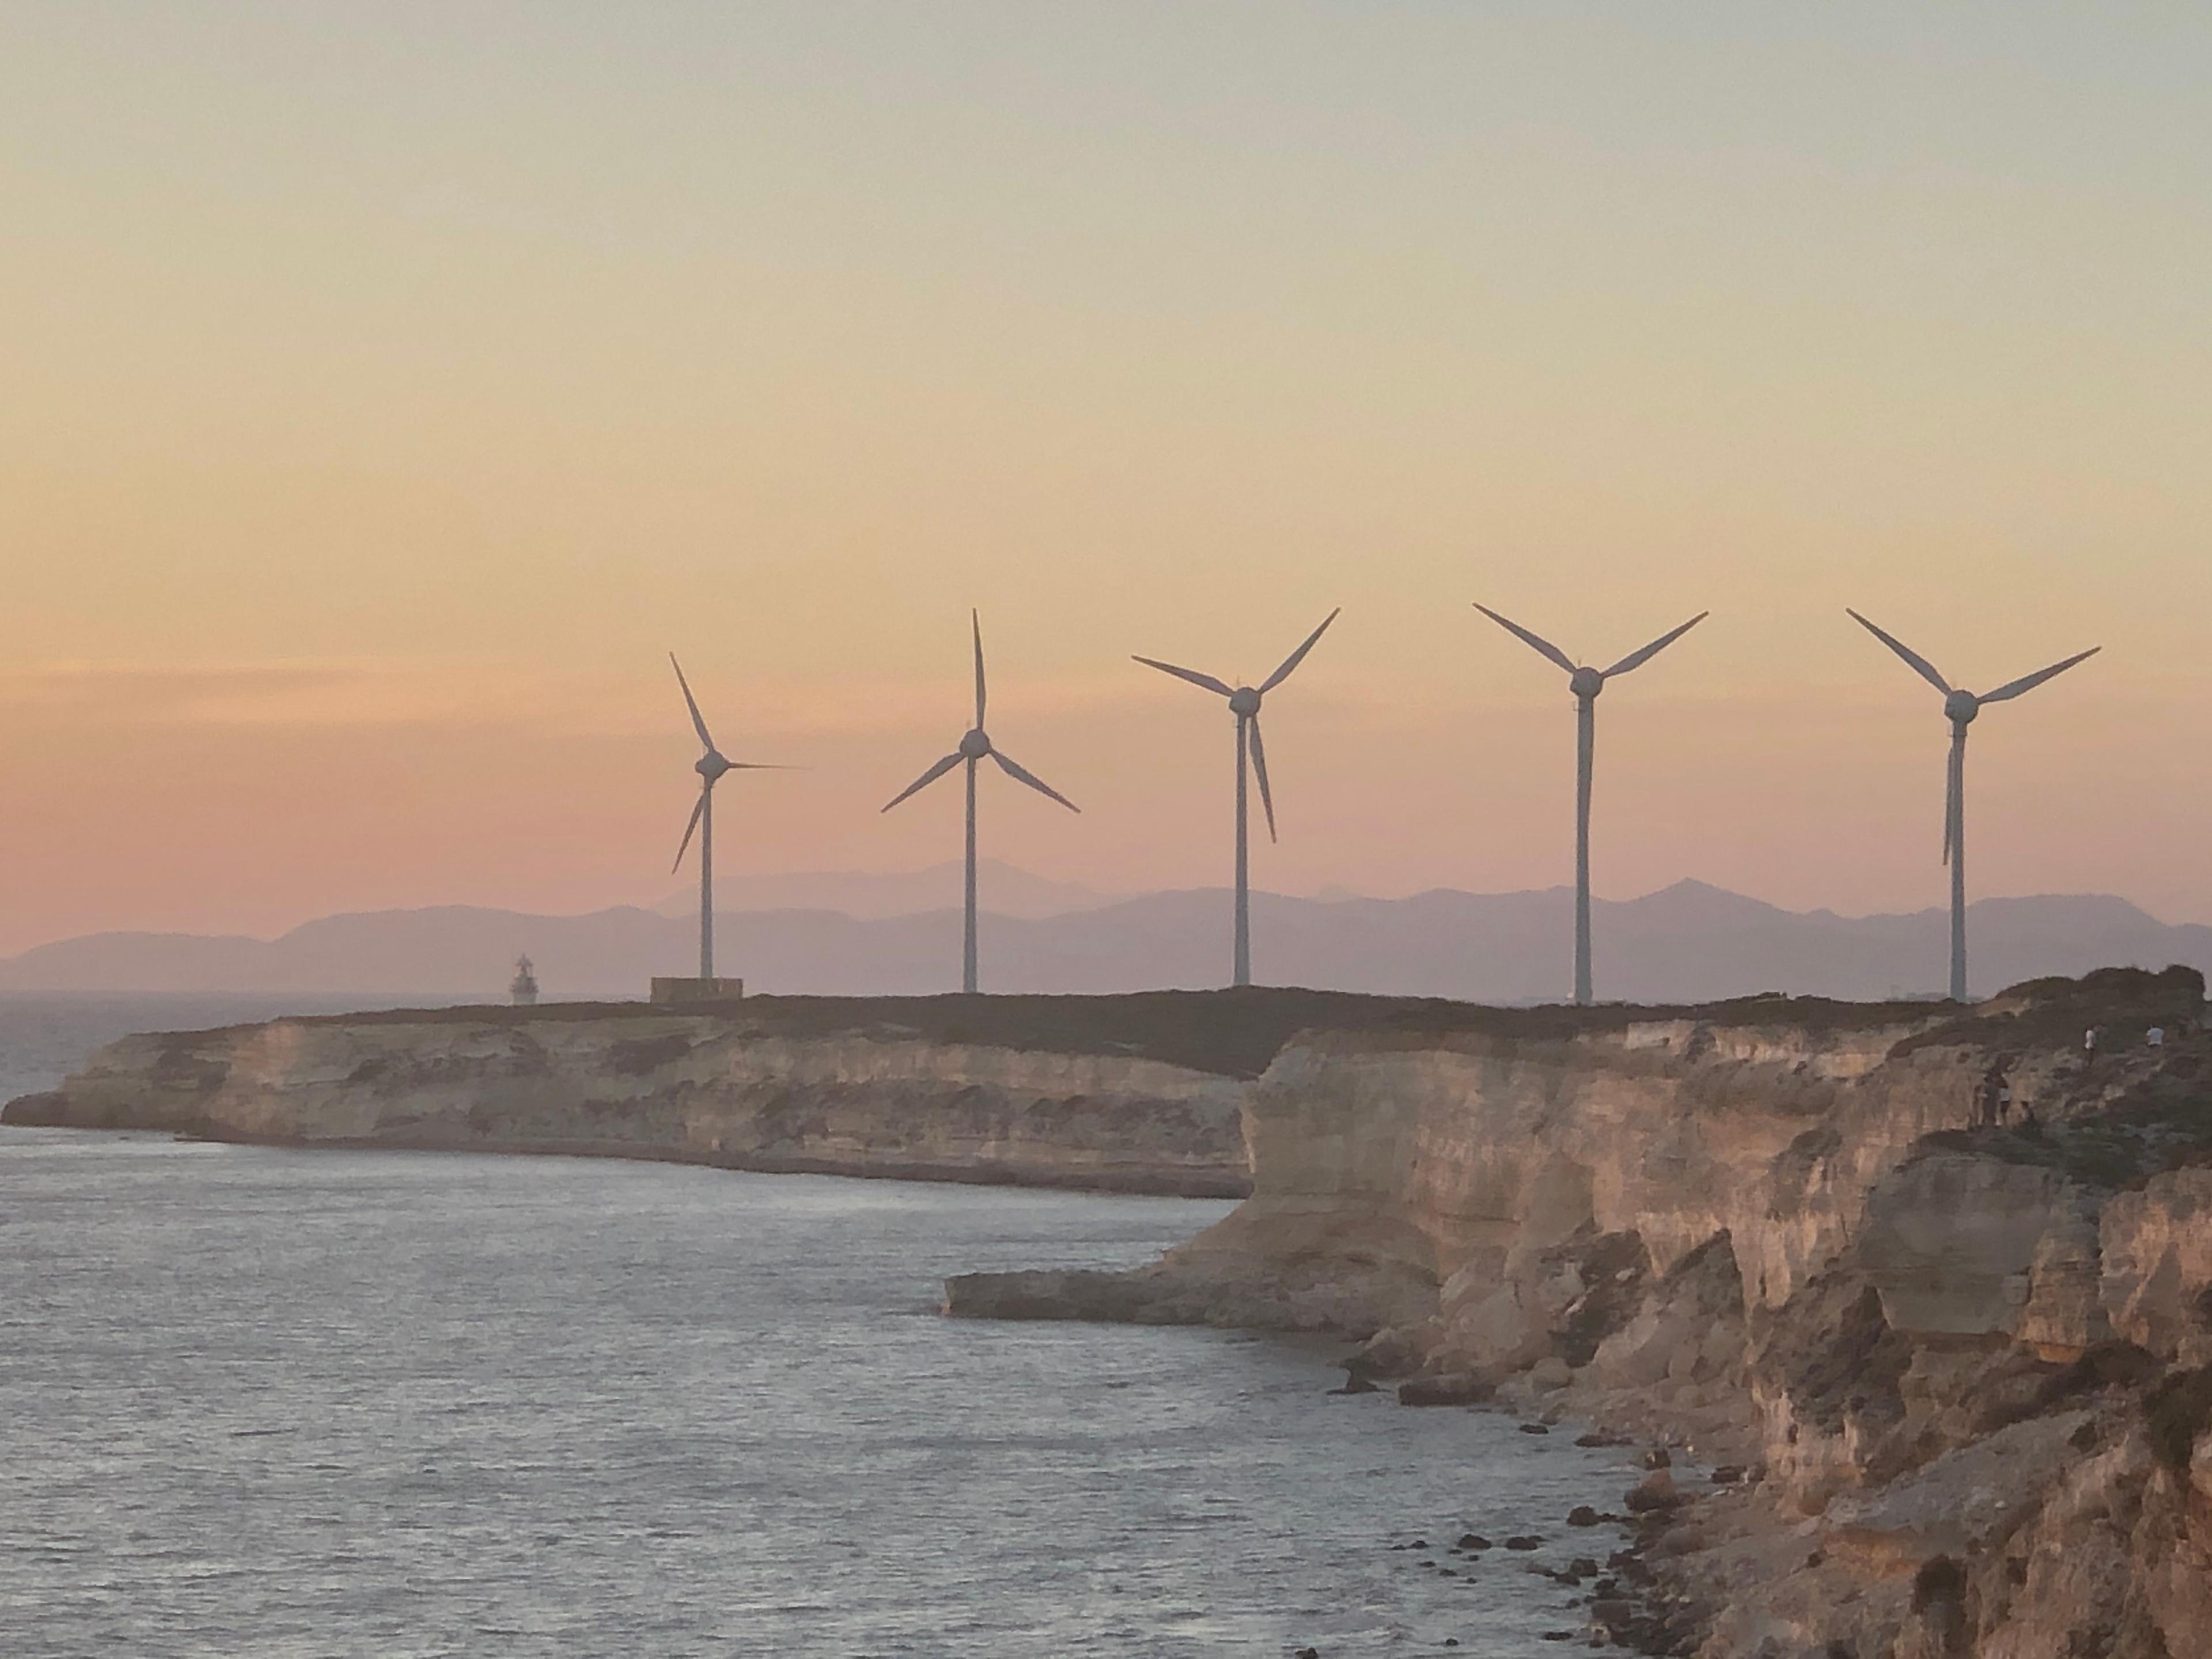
point(1491, 1185)
point(2156, 1287)
point(1958, 1353)
point(744, 1090)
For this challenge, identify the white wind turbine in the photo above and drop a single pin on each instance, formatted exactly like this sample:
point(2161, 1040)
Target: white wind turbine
point(1959, 707)
point(711, 766)
point(1244, 703)
point(1586, 683)
point(975, 745)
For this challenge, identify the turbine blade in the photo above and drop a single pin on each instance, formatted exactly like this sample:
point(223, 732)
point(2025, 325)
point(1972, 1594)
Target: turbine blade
point(926, 779)
point(1021, 774)
point(697, 812)
point(698, 722)
point(1950, 801)
point(977, 623)
point(2012, 689)
point(1260, 772)
point(1299, 655)
point(1920, 665)
point(1539, 644)
point(1206, 680)
point(1638, 658)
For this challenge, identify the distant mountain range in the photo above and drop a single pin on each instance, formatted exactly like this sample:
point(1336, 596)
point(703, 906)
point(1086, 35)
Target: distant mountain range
point(1689, 942)
point(1008, 891)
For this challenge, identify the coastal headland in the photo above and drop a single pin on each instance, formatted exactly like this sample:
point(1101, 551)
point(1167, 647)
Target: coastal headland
point(1931, 1285)
point(1951, 1352)
point(1139, 1093)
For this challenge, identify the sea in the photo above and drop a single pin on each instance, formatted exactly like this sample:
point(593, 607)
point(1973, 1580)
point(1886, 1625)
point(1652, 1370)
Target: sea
point(260, 1402)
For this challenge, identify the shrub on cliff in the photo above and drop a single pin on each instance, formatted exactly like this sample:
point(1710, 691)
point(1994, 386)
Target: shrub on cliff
point(2178, 1411)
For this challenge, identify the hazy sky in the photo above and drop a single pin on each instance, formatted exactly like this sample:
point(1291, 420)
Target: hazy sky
point(388, 387)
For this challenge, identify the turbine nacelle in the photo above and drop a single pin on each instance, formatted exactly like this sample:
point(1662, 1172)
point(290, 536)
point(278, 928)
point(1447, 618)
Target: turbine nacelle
point(1243, 702)
point(711, 766)
point(1586, 683)
point(1959, 707)
point(976, 744)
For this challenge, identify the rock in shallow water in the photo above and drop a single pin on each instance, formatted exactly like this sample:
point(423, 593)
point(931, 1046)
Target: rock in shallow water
point(1654, 1492)
point(1460, 1389)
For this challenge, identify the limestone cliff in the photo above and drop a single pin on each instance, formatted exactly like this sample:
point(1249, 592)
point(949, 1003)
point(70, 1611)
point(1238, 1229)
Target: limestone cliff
point(1957, 1354)
point(1453, 1177)
point(879, 1089)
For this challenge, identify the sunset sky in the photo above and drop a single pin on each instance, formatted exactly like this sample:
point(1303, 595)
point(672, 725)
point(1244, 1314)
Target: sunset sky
point(388, 388)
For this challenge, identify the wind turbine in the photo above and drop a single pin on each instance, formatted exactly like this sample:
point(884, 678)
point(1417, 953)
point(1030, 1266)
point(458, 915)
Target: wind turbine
point(975, 745)
point(711, 766)
point(1244, 703)
point(1959, 707)
point(1586, 683)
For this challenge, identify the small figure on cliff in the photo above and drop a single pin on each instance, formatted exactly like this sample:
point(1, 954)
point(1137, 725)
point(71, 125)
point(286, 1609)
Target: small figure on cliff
point(1993, 1104)
point(2089, 1044)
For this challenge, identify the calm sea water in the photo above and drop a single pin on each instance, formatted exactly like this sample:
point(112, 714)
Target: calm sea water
point(266, 1402)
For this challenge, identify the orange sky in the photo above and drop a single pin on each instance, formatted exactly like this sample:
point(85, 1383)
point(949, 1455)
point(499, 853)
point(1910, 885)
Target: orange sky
point(390, 388)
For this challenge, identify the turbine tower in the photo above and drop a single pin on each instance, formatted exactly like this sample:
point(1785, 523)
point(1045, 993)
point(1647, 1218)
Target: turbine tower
point(1586, 683)
point(1244, 703)
point(975, 745)
point(1959, 707)
point(711, 766)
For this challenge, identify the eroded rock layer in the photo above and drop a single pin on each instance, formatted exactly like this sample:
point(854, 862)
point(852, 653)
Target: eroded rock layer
point(1137, 1100)
point(1938, 1283)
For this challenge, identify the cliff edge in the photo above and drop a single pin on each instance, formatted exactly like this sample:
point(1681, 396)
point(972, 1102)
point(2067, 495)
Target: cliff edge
point(1935, 1287)
point(1136, 1094)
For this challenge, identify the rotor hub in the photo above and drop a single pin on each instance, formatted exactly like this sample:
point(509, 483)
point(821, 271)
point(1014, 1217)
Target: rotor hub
point(1961, 707)
point(1586, 683)
point(711, 766)
point(975, 745)
point(1244, 701)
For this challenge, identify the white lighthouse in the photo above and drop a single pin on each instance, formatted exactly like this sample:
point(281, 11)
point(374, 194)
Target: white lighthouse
point(524, 987)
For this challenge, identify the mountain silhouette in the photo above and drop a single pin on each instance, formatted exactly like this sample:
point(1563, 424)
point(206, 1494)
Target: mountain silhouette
point(1686, 943)
point(1005, 888)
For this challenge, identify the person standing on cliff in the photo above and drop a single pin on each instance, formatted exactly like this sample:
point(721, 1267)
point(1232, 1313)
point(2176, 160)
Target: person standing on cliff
point(1995, 1104)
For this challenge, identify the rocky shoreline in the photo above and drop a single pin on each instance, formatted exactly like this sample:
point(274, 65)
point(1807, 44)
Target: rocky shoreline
point(1963, 1367)
point(1963, 1363)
